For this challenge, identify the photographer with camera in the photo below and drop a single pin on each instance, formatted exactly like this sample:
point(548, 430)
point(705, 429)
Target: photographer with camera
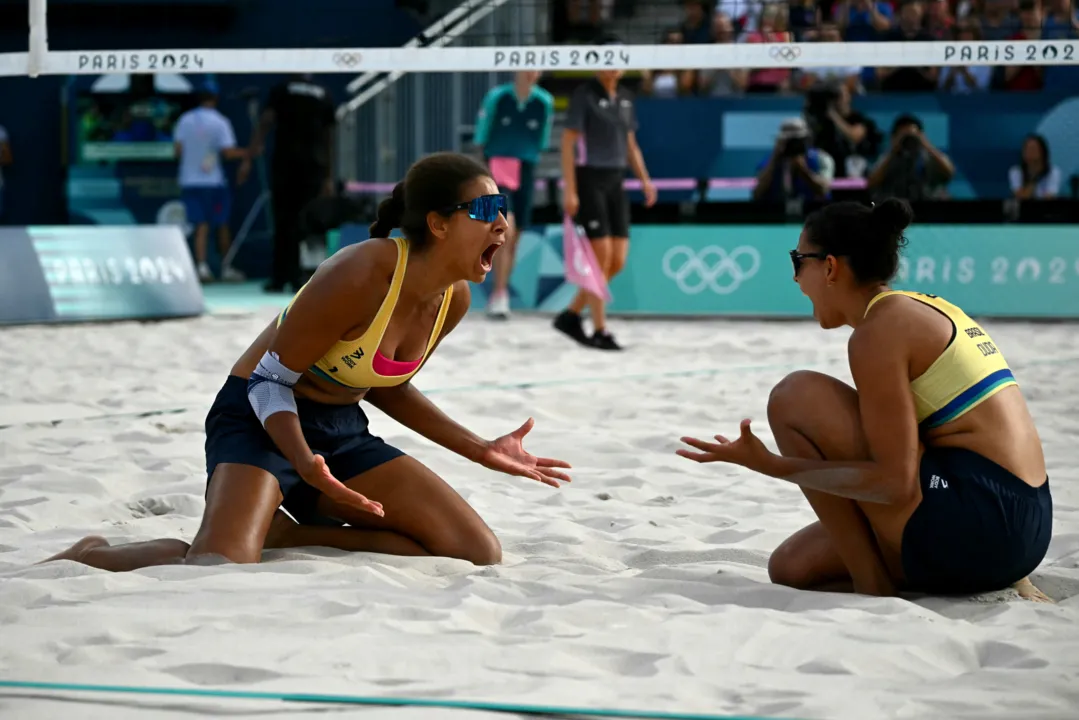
point(795, 169)
point(913, 169)
point(848, 136)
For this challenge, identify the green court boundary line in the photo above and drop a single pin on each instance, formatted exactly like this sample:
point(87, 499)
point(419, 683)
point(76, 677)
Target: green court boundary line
point(332, 699)
point(537, 384)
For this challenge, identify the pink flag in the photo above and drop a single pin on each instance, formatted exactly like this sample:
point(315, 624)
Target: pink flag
point(506, 172)
point(580, 263)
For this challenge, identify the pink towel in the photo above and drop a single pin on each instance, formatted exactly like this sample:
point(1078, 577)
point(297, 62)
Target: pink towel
point(580, 263)
point(506, 172)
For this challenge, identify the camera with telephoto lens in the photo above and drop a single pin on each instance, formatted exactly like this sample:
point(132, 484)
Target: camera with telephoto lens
point(794, 147)
point(909, 144)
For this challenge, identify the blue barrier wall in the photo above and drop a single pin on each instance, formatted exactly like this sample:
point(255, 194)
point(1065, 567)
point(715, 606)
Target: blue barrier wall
point(982, 134)
point(1016, 271)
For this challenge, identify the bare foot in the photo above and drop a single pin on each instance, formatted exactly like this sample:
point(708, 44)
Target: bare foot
point(1028, 591)
point(78, 551)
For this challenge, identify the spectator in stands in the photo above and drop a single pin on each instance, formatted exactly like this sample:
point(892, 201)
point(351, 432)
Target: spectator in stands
point(773, 29)
point(794, 169)
point(696, 25)
point(913, 169)
point(743, 14)
point(1025, 77)
point(964, 79)
point(804, 18)
point(908, 29)
point(203, 138)
point(668, 83)
point(938, 19)
point(719, 82)
point(997, 20)
point(302, 167)
point(585, 20)
point(862, 20)
point(848, 75)
point(1061, 20)
point(848, 136)
point(5, 160)
point(1035, 177)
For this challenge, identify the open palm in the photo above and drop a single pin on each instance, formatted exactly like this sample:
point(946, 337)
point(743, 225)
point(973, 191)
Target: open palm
point(746, 450)
point(507, 454)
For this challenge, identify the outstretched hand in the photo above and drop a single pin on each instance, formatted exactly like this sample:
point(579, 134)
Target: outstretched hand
point(507, 454)
point(318, 475)
point(746, 450)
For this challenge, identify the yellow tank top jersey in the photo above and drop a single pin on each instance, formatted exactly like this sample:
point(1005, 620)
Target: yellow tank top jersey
point(359, 363)
point(969, 371)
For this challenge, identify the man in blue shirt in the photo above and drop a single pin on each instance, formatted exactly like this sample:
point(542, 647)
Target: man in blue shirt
point(794, 169)
point(203, 138)
point(513, 127)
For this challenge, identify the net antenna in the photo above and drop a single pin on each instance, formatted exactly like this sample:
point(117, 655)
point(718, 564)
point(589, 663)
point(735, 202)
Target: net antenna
point(39, 38)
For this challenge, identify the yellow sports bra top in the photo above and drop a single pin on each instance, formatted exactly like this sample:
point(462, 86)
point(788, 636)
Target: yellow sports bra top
point(970, 370)
point(359, 363)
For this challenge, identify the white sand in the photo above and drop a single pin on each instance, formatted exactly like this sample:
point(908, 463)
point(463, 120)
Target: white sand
point(641, 585)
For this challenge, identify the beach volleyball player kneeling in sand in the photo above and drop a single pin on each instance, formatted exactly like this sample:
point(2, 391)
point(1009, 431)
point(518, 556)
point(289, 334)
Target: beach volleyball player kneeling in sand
point(286, 428)
point(929, 474)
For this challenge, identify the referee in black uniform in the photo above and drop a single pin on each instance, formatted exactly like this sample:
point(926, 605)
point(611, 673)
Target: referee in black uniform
point(601, 124)
point(302, 167)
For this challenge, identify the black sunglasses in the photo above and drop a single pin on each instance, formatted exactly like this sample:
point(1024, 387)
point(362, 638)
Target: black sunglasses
point(485, 208)
point(798, 257)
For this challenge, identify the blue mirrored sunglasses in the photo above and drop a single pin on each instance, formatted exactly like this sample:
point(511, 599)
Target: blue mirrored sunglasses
point(485, 208)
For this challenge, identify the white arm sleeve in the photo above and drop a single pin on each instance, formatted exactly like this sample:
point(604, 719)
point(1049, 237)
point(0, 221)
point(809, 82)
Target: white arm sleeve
point(269, 389)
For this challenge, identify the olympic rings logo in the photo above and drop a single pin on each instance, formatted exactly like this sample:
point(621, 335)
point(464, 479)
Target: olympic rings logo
point(789, 53)
point(712, 268)
point(348, 60)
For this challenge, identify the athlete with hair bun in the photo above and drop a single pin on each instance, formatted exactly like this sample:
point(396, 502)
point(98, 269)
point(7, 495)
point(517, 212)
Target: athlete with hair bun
point(929, 474)
point(287, 430)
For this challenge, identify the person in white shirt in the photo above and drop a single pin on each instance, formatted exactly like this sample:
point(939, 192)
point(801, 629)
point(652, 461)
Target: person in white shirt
point(5, 159)
point(204, 137)
point(1034, 177)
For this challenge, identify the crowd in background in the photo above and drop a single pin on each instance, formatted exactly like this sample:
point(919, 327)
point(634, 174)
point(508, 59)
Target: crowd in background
point(832, 139)
point(772, 21)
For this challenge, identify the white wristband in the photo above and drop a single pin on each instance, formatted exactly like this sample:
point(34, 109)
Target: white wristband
point(269, 389)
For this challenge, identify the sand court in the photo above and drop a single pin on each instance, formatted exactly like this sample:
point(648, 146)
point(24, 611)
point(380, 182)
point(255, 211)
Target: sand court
point(641, 585)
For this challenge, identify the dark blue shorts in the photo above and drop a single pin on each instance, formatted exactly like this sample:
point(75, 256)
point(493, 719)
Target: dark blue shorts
point(337, 432)
point(521, 200)
point(207, 205)
point(978, 528)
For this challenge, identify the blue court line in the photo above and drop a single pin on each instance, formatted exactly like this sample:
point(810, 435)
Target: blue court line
point(366, 700)
point(553, 382)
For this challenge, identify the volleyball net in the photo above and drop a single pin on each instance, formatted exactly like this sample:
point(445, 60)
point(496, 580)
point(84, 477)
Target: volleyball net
point(403, 102)
point(657, 34)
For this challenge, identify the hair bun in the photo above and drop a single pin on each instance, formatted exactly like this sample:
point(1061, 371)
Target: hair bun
point(397, 199)
point(390, 213)
point(892, 216)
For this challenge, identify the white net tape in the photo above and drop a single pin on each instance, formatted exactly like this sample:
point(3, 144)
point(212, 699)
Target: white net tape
point(551, 57)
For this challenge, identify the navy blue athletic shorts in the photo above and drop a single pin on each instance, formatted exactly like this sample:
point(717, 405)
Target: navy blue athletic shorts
point(337, 432)
point(207, 205)
point(978, 528)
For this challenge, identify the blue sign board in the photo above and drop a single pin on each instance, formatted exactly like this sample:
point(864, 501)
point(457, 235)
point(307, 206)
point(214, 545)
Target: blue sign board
point(70, 273)
point(1029, 271)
